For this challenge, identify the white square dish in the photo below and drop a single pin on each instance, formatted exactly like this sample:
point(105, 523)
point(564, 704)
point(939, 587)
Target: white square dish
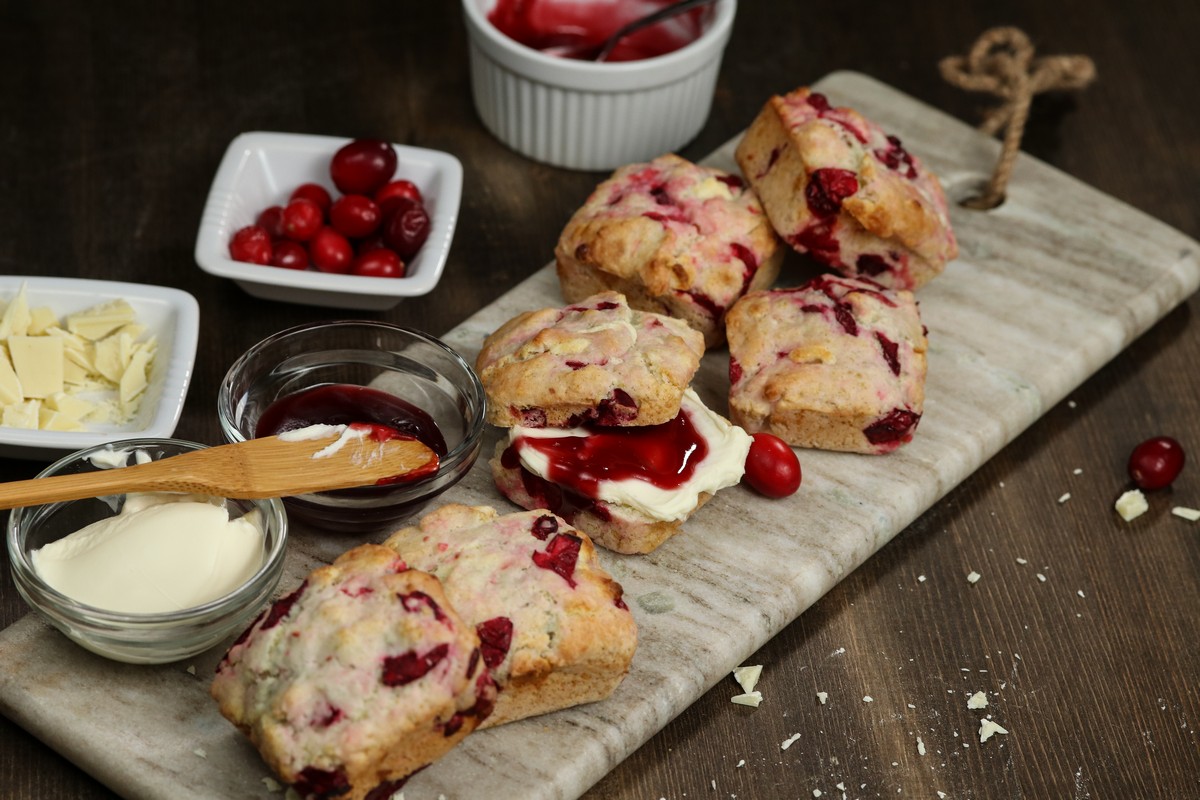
point(171, 315)
point(261, 169)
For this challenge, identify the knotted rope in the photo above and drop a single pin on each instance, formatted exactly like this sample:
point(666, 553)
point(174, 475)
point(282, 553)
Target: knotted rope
point(1001, 62)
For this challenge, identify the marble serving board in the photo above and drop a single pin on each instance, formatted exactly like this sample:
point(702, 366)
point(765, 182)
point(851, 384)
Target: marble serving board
point(1047, 288)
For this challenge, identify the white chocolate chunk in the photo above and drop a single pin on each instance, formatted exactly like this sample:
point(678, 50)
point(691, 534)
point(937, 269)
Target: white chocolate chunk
point(748, 699)
point(1131, 505)
point(747, 677)
point(38, 362)
point(987, 728)
point(99, 321)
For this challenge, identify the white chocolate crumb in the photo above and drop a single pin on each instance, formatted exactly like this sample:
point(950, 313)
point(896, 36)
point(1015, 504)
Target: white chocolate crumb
point(788, 742)
point(921, 578)
point(868, 699)
point(1070, 404)
point(822, 696)
point(1022, 560)
point(191, 670)
point(816, 792)
point(1190, 514)
point(973, 577)
point(1131, 505)
point(1041, 577)
point(747, 677)
point(741, 763)
point(920, 747)
point(977, 700)
point(200, 751)
point(1080, 593)
point(272, 784)
point(1077, 471)
point(1064, 497)
point(987, 728)
point(748, 699)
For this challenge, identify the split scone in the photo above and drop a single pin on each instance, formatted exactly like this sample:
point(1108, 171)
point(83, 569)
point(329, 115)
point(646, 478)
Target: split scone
point(554, 630)
point(596, 360)
point(675, 238)
point(357, 679)
point(631, 487)
point(835, 364)
point(839, 188)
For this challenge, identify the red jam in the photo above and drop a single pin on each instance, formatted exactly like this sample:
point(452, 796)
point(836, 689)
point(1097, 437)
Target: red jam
point(344, 404)
point(569, 27)
point(663, 455)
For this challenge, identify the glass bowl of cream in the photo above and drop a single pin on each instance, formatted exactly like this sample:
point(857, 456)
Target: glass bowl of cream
point(146, 578)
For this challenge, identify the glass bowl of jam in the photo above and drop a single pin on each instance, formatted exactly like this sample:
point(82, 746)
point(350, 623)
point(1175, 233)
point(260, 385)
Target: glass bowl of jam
point(146, 578)
point(348, 371)
point(536, 96)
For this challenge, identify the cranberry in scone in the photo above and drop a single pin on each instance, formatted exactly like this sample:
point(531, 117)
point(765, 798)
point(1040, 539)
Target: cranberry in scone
point(835, 364)
point(357, 679)
point(838, 187)
point(554, 630)
point(675, 238)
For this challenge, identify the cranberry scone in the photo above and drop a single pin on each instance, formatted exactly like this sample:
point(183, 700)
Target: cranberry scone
point(839, 188)
point(554, 628)
point(835, 364)
point(595, 360)
point(629, 488)
point(675, 238)
point(357, 679)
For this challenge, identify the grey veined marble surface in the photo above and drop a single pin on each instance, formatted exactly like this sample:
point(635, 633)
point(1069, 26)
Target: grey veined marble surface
point(1047, 288)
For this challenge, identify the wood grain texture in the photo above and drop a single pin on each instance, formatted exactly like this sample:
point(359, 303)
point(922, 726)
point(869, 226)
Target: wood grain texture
point(115, 125)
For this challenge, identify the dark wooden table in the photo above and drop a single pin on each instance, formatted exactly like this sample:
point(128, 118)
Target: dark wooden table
point(113, 124)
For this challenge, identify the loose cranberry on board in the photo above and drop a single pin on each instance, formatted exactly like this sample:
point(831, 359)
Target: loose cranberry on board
point(772, 468)
point(1156, 463)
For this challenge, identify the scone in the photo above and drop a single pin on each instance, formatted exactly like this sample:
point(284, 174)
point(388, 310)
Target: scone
point(837, 187)
point(835, 364)
point(554, 628)
point(629, 488)
point(596, 360)
point(673, 237)
point(357, 679)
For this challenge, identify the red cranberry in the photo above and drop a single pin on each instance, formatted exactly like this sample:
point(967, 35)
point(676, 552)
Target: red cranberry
point(355, 215)
point(302, 218)
point(896, 426)
point(408, 667)
point(827, 188)
point(543, 526)
point(289, 255)
point(315, 192)
point(891, 352)
point(317, 782)
point(560, 556)
point(495, 638)
point(271, 219)
point(281, 607)
point(407, 228)
point(363, 166)
point(330, 251)
point(251, 244)
point(378, 263)
point(772, 467)
point(1156, 463)
point(386, 196)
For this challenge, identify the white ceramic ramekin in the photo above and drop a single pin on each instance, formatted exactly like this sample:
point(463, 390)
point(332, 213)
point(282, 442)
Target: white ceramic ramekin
point(590, 116)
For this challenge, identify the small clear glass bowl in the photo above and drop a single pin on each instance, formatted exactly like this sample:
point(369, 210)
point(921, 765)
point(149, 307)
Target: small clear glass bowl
point(156, 638)
point(403, 362)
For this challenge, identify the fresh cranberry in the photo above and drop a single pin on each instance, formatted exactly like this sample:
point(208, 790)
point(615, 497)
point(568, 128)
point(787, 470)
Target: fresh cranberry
point(251, 244)
point(330, 251)
point(407, 228)
point(378, 263)
point(289, 255)
point(315, 192)
point(396, 189)
point(281, 607)
point(1156, 463)
point(322, 783)
point(543, 526)
point(363, 166)
point(355, 216)
point(302, 218)
point(827, 188)
point(771, 466)
point(495, 638)
point(408, 667)
point(271, 219)
point(560, 556)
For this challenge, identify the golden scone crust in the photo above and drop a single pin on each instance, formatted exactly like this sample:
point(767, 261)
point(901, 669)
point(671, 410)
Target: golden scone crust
point(554, 628)
point(596, 360)
point(357, 679)
point(675, 238)
point(836, 364)
point(836, 186)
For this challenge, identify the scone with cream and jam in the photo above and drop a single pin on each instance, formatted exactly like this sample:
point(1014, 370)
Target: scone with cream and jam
point(555, 632)
point(836, 186)
point(630, 487)
point(835, 364)
point(357, 679)
point(596, 360)
point(675, 238)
